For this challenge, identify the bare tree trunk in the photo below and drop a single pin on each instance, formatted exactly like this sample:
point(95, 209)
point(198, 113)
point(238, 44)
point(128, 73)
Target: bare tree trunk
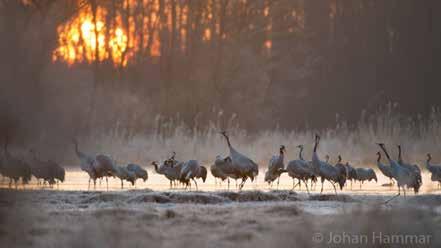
point(93, 95)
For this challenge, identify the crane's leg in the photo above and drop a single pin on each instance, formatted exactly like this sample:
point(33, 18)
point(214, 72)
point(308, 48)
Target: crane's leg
point(88, 187)
point(361, 182)
point(122, 184)
point(351, 183)
point(296, 183)
point(395, 196)
point(404, 190)
point(195, 183)
point(323, 180)
point(228, 183)
point(94, 183)
point(107, 183)
point(300, 184)
point(306, 184)
point(242, 183)
point(335, 189)
point(293, 184)
point(171, 185)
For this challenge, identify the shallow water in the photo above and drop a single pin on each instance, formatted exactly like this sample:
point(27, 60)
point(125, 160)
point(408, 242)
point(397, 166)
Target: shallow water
point(78, 180)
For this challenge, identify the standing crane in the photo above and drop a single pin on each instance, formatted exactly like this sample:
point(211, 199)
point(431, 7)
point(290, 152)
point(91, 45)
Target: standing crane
point(170, 168)
point(386, 170)
point(300, 169)
point(138, 170)
point(192, 170)
point(402, 175)
point(434, 169)
point(105, 166)
point(413, 167)
point(86, 163)
point(218, 169)
point(325, 170)
point(243, 166)
point(276, 167)
point(351, 173)
point(15, 168)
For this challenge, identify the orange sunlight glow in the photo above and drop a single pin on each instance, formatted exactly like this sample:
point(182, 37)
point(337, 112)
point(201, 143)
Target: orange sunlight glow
point(124, 34)
point(78, 38)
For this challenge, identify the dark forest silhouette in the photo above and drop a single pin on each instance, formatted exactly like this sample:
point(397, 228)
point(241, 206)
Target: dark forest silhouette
point(327, 58)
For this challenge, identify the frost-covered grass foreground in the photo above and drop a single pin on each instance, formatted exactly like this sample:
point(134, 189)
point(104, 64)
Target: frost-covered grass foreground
point(144, 218)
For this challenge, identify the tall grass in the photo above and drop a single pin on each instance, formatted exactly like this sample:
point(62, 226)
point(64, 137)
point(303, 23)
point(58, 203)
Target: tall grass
point(355, 143)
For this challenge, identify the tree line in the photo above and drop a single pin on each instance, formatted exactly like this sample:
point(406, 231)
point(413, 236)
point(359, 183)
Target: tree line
point(264, 63)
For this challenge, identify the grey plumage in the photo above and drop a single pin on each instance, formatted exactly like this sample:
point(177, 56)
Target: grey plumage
point(276, 166)
point(327, 171)
point(386, 170)
point(104, 167)
point(365, 174)
point(124, 174)
point(170, 168)
point(242, 166)
point(403, 176)
point(86, 163)
point(48, 171)
point(191, 170)
point(139, 171)
point(301, 169)
point(217, 169)
point(412, 167)
point(15, 168)
point(225, 167)
point(434, 169)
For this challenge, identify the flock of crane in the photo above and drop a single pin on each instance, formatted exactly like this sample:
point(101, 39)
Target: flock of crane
point(236, 166)
point(15, 168)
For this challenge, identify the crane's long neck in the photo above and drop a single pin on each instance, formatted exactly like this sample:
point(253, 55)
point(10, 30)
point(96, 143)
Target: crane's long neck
point(281, 153)
point(379, 158)
point(300, 153)
point(156, 167)
point(400, 160)
point(428, 165)
point(316, 145)
point(385, 152)
point(228, 141)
